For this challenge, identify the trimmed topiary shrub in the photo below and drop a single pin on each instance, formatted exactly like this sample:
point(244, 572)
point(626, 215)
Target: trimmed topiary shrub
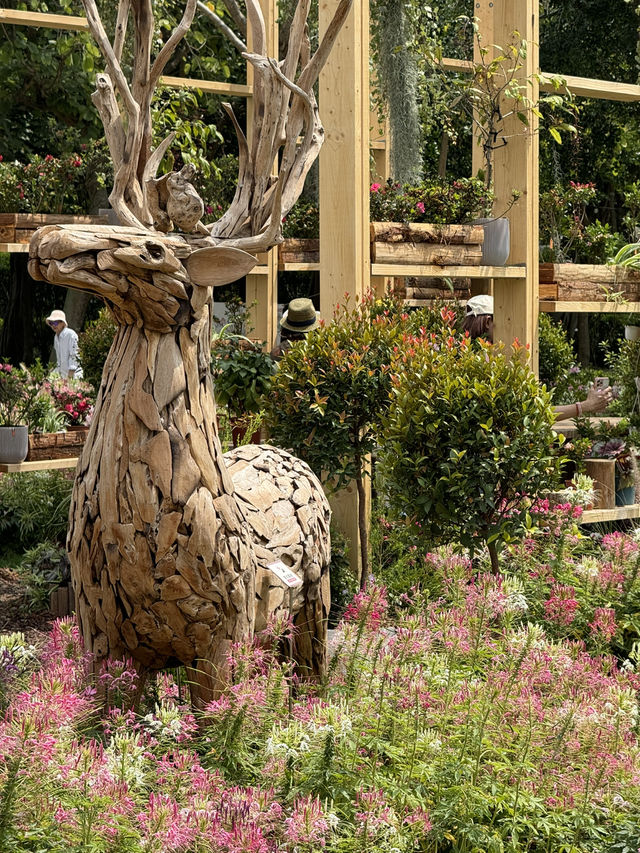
point(467, 441)
point(94, 345)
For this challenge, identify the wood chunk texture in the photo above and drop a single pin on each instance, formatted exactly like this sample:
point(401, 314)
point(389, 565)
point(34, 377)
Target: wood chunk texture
point(168, 548)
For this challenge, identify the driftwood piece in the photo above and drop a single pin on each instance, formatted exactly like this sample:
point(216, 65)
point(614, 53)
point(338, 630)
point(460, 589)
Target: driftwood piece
point(427, 253)
point(420, 232)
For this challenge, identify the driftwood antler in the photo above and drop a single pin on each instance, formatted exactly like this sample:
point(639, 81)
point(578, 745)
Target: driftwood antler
point(288, 132)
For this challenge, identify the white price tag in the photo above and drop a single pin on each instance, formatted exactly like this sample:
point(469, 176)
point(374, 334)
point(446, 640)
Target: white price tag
point(285, 574)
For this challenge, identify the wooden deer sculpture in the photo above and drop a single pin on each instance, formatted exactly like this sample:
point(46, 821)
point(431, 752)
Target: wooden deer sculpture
point(164, 552)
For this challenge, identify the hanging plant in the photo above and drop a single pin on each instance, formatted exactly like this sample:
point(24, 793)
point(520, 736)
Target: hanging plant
point(397, 82)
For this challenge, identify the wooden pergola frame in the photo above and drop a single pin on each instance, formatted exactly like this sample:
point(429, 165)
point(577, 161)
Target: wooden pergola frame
point(345, 159)
point(345, 267)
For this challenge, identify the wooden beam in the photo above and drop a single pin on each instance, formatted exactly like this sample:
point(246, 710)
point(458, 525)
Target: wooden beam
point(593, 516)
point(38, 465)
point(552, 306)
point(43, 19)
point(583, 87)
point(511, 272)
point(13, 248)
point(214, 86)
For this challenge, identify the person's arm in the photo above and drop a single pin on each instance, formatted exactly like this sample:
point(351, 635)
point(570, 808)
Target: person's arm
point(596, 401)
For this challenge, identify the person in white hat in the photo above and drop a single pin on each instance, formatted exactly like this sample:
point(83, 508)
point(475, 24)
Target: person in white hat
point(478, 322)
point(65, 344)
point(298, 320)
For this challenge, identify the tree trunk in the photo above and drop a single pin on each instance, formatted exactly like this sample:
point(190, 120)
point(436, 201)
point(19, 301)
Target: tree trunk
point(493, 555)
point(363, 529)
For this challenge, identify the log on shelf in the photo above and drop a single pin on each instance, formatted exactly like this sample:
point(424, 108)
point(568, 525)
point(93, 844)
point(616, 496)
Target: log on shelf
point(56, 445)
point(299, 250)
point(423, 232)
point(441, 254)
point(603, 473)
point(548, 291)
point(20, 227)
point(589, 282)
point(436, 293)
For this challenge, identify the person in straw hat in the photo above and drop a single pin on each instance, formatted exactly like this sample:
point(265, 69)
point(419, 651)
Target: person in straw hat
point(65, 344)
point(298, 320)
point(478, 322)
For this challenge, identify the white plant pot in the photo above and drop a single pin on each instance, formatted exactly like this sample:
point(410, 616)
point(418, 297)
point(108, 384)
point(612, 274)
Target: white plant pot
point(632, 333)
point(497, 241)
point(14, 444)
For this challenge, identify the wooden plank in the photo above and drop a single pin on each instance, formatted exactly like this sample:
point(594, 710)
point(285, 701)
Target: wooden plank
point(593, 516)
point(216, 87)
point(298, 267)
point(511, 272)
point(43, 19)
point(555, 306)
point(14, 248)
point(584, 87)
point(607, 274)
point(426, 253)
point(39, 465)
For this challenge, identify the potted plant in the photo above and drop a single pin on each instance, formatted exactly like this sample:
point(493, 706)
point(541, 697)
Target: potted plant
point(429, 222)
point(73, 398)
point(622, 453)
point(19, 393)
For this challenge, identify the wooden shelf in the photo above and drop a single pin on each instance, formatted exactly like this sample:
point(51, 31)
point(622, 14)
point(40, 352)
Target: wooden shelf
point(592, 516)
point(12, 248)
point(39, 465)
point(551, 306)
point(432, 271)
point(298, 267)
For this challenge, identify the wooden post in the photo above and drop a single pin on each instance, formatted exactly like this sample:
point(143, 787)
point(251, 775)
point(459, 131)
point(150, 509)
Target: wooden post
point(344, 160)
point(263, 289)
point(344, 195)
point(516, 167)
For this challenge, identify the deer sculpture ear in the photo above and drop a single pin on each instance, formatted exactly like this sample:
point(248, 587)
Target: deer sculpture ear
point(218, 265)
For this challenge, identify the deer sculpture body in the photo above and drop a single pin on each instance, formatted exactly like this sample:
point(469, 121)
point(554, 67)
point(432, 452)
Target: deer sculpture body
point(168, 559)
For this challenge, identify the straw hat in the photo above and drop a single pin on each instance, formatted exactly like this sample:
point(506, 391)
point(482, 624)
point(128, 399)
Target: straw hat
point(479, 305)
point(57, 315)
point(300, 316)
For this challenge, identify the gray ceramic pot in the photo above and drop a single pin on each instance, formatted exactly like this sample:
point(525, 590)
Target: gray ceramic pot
point(14, 444)
point(497, 241)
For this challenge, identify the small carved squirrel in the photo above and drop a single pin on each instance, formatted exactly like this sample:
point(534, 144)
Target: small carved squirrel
point(174, 202)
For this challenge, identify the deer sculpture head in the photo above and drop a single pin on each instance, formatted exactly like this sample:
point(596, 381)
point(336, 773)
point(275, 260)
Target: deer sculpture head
point(163, 559)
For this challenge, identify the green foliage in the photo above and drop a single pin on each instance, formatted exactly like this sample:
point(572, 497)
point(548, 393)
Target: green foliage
point(242, 373)
point(94, 344)
point(556, 354)
point(43, 569)
point(303, 220)
point(20, 392)
point(436, 201)
point(67, 184)
point(467, 441)
point(34, 507)
point(330, 390)
point(344, 583)
point(218, 187)
point(625, 367)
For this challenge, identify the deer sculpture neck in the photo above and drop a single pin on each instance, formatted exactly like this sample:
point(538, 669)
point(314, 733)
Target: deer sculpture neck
point(162, 563)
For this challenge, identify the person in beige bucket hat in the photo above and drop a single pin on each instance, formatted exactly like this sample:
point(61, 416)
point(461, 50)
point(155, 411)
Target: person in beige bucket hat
point(298, 320)
point(65, 345)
